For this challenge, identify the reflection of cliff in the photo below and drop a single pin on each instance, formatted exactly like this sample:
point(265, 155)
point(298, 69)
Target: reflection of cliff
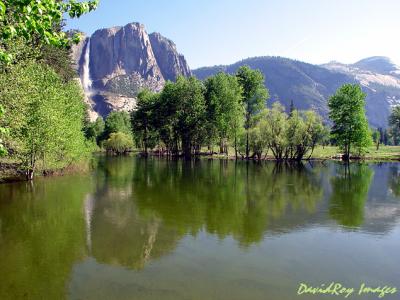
point(119, 235)
point(349, 193)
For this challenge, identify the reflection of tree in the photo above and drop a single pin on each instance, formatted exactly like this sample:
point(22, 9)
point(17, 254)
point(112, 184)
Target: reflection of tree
point(394, 180)
point(117, 171)
point(349, 192)
point(119, 235)
point(142, 212)
point(41, 237)
point(223, 197)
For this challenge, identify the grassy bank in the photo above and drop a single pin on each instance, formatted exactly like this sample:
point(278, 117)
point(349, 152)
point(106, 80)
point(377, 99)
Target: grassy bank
point(11, 170)
point(383, 154)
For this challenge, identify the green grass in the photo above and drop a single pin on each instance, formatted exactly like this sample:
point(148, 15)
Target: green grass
point(384, 153)
point(332, 152)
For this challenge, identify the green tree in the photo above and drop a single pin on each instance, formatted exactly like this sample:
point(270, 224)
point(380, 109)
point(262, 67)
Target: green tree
point(224, 108)
point(350, 126)
point(257, 143)
point(394, 123)
point(255, 95)
point(184, 109)
point(35, 22)
point(309, 133)
point(94, 130)
point(325, 136)
point(143, 119)
point(119, 143)
point(376, 137)
point(394, 118)
point(46, 120)
point(274, 127)
point(117, 121)
point(292, 108)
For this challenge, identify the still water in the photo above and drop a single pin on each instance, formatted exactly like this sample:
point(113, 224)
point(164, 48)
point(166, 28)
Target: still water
point(157, 229)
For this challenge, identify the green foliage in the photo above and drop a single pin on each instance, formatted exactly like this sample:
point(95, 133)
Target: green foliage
point(288, 137)
point(3, 131)
point(45, 117)
point(224, 110)
point(119, 143)
point(187, 115)
point(144, 120)
point(36, 21)
point(254, 95)
point(350, 126)
point(394, 123)
point(274, 126)
point(183, 114)
point(59, 60)
point(376, 137)
point(117, 121)
point(94, 130)
point(394, 119)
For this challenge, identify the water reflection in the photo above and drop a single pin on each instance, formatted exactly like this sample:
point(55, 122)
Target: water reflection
point(350, 188)
point(41, 236)
point(148, 226)
point(394, 180)
point(224, 198)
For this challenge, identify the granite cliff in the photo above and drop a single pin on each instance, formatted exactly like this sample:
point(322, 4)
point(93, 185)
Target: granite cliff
point(115, 63)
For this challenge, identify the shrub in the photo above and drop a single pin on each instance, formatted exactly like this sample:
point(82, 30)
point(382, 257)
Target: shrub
point(119, 143)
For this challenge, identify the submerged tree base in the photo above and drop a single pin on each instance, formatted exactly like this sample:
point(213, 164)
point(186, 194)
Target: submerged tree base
point(13, 172)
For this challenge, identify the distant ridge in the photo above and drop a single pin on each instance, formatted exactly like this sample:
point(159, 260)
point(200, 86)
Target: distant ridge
point(310, 86)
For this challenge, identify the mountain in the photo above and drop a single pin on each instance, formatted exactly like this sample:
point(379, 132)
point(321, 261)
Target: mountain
point(310, 86)
point(378, 64)
point(115, 63)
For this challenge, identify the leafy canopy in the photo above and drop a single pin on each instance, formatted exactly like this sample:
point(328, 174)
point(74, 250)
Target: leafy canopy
point(35, 20)
point(47, 117)
point(119, 143)
point(350, 125)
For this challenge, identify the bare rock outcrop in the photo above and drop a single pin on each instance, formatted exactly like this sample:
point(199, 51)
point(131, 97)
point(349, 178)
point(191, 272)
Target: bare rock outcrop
point(124, 60)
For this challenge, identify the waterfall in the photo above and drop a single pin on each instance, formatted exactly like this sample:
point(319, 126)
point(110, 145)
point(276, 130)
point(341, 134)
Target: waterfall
point(86, 82)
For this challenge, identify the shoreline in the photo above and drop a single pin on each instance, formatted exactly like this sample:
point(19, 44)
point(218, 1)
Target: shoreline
point(10, 172)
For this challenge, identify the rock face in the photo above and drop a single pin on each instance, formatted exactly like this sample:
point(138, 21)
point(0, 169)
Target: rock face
point(310, 86)
point(170, 62)
point(123, 60)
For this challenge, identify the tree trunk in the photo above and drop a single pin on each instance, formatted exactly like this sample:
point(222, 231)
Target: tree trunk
point(247, 144)
point(145, 142)
point(29, 174)
point(186, 148)
point(221, 146)
point(236, 151)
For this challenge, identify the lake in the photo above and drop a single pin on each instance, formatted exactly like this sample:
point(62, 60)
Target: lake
point(210, 229)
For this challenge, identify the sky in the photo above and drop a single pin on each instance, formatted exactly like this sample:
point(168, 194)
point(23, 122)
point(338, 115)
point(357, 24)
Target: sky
point(214, 32)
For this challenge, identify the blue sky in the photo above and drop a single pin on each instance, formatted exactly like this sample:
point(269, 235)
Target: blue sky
point(210, 32)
